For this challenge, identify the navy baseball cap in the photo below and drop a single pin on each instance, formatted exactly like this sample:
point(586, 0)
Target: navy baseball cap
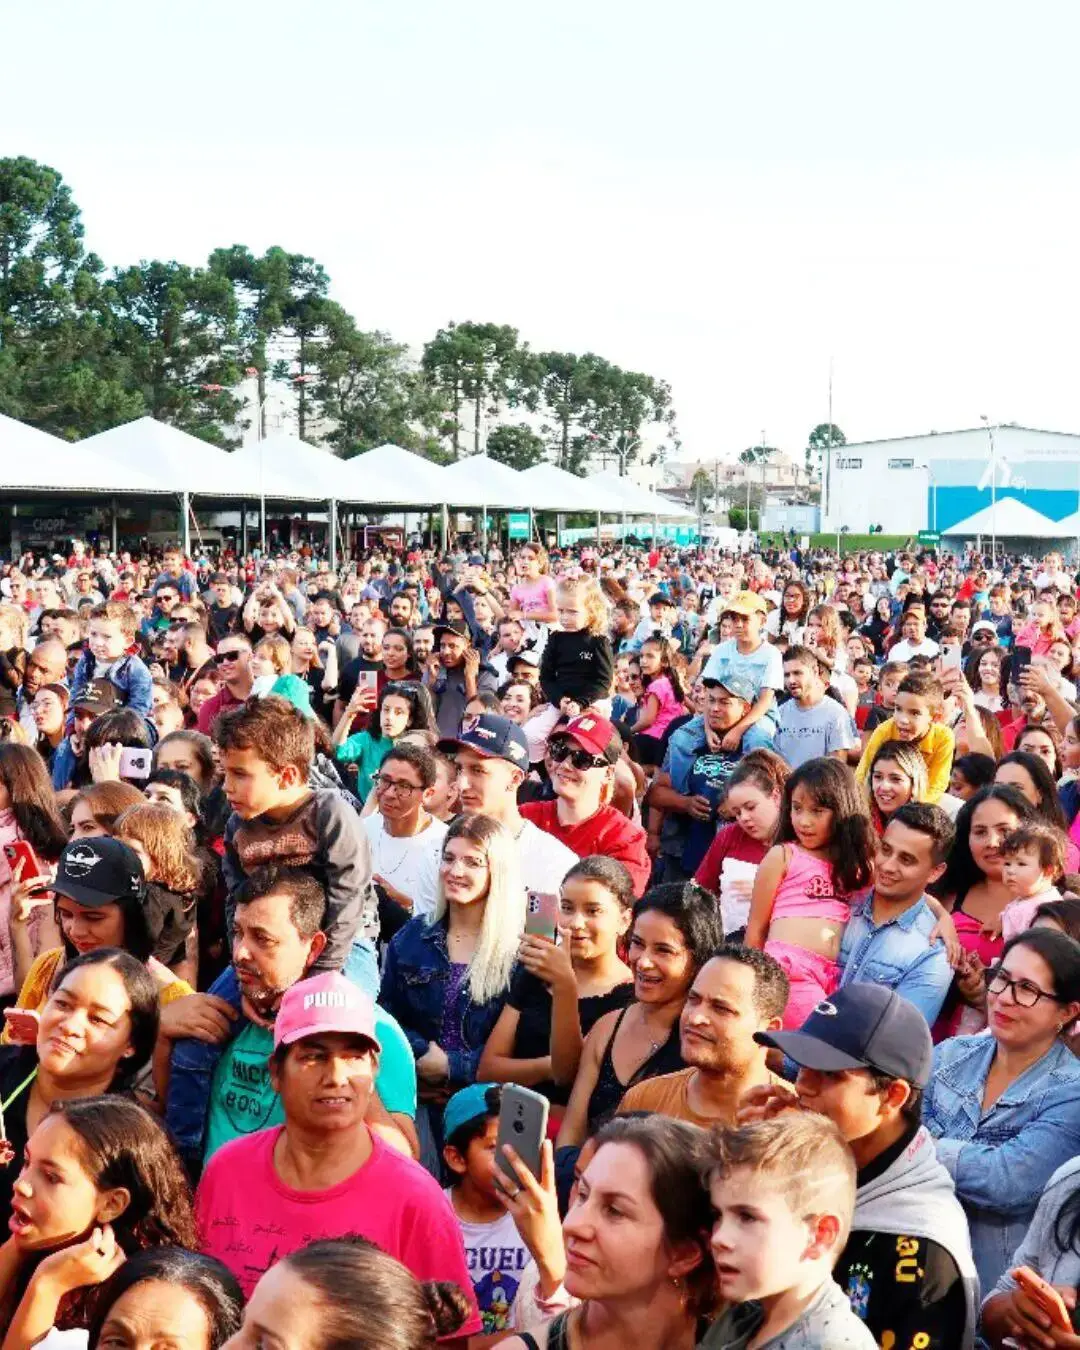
point(99, 871)
point(491, 735)
point(862, 1026)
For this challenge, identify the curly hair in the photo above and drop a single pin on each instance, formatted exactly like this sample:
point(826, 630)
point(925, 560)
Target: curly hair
point(850, 850)
point(169, 842)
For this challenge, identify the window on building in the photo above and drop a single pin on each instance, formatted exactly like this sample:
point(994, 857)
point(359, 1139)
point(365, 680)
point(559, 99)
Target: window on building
point(850, 464)
point(901, 463)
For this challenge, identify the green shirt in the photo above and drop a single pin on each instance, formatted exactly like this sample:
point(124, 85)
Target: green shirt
point(367, 753)
point(243, 1100)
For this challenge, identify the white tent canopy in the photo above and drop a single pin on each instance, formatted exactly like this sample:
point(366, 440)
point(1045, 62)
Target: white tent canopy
point(480, 481)
point(554, 489)
point(633, 500)
point(1009, 518)
point(177, 461)
point(287, 466)
point(30, 458)
point(392, 476)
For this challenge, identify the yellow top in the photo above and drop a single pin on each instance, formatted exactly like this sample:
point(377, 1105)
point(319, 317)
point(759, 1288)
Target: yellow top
point(37, 986)
point(936, 747)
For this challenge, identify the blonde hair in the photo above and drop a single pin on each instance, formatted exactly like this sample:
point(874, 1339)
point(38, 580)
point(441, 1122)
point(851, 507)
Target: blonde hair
point(504, 906)
point(169, 841)
point(18, 620)
point(802, 1154)
point(277, 650)
point(542, 560)
point(588, 591)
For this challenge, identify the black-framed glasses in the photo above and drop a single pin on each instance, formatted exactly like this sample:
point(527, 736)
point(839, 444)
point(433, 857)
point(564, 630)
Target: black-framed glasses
point(221, 657)
point(383, 784)
point(580, 759)
point(1024, 993)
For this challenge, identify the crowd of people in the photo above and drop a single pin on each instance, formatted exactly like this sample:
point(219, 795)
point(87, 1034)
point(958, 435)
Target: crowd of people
point(762, 871)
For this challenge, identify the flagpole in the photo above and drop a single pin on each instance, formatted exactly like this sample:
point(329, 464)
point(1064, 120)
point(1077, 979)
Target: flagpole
point(993, 491)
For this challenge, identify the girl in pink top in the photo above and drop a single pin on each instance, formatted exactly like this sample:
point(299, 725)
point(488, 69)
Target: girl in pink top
point(823, 855)
point(663, 700)
point(533, 598)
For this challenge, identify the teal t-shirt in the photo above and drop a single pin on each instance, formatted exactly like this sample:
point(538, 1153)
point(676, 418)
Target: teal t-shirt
point(243, 1100)
point(367, 754)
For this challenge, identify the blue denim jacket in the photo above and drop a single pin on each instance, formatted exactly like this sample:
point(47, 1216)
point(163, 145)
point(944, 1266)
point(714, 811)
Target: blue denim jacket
point(898, 955)
point(414, 985)
point(1001, 1159)
point(684, 744)
point(130, 675)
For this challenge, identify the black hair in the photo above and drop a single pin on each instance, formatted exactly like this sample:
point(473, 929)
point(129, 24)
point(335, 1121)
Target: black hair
point(477, 1127)
point(850, 850)
point(202, 748)
point(212, 1285)
point(140, 937)
point(190, 796)
point(122, 726)
point(1060, 952)
point(1065, 912)
point(418, 757)
point(962, 873)
point(307, 898)
point(771, 986)
point(607, 872)
point(931, 821)
point(421, 709)
point(1049, 808)
point(33, 802)
point(145, 1008)
point(693, 910)
point(976, 769)
point(911, 1111)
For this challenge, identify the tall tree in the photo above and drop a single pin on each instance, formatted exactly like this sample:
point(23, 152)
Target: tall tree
point(473, 363)
point(518, 446)
point(176, 327)
point(818, 442)
point(557, 386)
point(624, 403)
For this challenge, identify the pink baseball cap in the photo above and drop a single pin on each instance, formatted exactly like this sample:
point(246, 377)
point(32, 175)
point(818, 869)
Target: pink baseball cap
point(325, 1003)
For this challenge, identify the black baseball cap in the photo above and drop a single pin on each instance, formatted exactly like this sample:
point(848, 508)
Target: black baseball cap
point(491, 735)
point(457, 629)
point(862, 1026)
point(99, 871)
point(99, 696)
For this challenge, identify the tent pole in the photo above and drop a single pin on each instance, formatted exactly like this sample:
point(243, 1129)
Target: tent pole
point(243, 530)
point(445, 525)
point(656, 528)
point(331, 522)
point(115, 513)
point(483, 529)
point(598, 530)
point(532, 527)
point(185, 529)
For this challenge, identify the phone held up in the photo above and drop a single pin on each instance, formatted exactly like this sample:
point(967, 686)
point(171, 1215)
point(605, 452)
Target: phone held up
point(523, 1120)
point(542, 914)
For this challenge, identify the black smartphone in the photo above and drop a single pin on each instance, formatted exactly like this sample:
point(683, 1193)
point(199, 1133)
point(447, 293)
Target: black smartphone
point(1021, 659)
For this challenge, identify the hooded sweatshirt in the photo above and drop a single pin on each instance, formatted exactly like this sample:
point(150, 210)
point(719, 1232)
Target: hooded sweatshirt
point(902, 1281)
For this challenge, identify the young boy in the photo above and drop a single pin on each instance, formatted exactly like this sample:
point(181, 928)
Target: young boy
point(266, 748)
point(749, 656)
point(1032, 857)
point(108, 657)
point(919, 703)
point(810, 725)
point(783, 1191)
point(889, 677)
point(862, 672)
point(494, 1252)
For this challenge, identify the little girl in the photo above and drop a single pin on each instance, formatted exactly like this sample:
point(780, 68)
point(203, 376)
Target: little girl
point(532, 599)
point(271, 667)
point(100, 1181)
point(578, 665)
point(662, 702)
point(1032, 859)
point(802, 892)
point(165, 845)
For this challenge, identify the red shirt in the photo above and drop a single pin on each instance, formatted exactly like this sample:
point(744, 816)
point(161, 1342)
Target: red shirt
point(731, 841)
point(221, 702)
point(608, 832)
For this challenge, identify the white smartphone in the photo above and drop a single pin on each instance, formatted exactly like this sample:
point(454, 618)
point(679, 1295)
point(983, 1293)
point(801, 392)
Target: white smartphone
point(952, 658)
point(367, 679)
point(135, 762)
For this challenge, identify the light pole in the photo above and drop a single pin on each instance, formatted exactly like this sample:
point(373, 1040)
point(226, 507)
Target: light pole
point(993, 490)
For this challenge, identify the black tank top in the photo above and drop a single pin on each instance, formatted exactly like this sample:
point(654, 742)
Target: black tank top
point(608, 1092)
point(558, 1334)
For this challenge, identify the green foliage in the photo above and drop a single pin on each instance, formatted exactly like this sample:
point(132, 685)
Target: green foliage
point(83, 348)
point(737, 518)
point(518, 446)
point(702, 489)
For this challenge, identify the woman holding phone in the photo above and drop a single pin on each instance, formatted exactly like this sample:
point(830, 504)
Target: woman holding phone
point(560, 991)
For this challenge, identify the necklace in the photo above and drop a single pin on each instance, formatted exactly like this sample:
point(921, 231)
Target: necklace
point(385, 867)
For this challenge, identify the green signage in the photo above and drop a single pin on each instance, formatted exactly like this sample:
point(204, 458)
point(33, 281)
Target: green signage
point(519, 524)
point(928, 537)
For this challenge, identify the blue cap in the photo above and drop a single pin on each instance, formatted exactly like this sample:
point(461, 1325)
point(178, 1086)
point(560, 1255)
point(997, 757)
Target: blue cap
point(738, 685)
point(492, 735)
point(862, 1026)
point(468, 1104)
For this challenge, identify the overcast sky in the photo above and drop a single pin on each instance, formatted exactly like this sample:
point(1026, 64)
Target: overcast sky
point(724, 195)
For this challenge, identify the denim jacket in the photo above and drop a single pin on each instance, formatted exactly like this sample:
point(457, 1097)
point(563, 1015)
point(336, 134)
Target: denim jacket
point(898, 955)
point(130, 675)
point(1001, 1159)
point(414, 987)
point(684, 744)
point(191, 1075)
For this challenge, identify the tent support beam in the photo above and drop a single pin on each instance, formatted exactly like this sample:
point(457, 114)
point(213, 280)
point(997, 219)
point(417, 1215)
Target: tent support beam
point(114, 513)
point(243, 529)
point(331, 523)
point(445, 524)
point(185, 527)
point(598, 514)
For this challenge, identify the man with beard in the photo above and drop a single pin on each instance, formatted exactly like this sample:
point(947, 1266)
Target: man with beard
point(46, 664)
point(370, 658)
point(278, 935)
point(739, 992)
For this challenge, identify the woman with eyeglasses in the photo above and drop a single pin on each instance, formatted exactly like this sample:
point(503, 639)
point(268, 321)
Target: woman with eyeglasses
point(1005, 1108)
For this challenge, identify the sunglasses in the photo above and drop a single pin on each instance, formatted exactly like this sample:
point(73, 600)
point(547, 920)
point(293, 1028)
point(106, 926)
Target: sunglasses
point(580, 759)
point(221, 657)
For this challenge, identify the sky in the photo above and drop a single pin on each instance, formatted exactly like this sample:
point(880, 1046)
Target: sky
point(736, 198)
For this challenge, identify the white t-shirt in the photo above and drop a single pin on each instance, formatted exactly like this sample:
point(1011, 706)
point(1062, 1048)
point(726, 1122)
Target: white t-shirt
point(905, 650)
point(495, 1257)
point(543, 859)
point(410, 865)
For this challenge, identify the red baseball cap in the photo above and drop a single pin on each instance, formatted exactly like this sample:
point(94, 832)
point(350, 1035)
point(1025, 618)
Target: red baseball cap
point(325, 1003)
point(593, 733)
